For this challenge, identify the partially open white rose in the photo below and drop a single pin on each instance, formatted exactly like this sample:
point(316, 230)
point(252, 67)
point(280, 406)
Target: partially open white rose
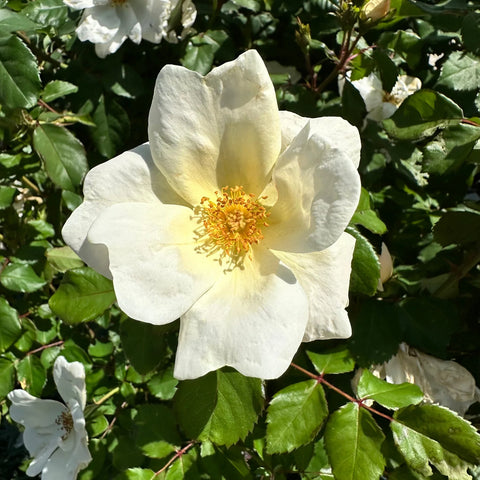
point(231, 219)
point(55, 433)
point(108, 23)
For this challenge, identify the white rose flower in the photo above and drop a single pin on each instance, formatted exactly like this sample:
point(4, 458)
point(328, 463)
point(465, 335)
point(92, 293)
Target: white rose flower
point(108, 23)
point(55, 433)
point(379, 103)
point(442, 381)
point(231, 219)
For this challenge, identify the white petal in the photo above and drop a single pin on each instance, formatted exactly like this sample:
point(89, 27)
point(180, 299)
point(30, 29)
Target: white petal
point(157, 274)
point(66, 465)
point(325, 277)
point(153, 17)
point(381, 112)
point(33, 412)
point(252, 320)
point(129, 23)
point(79, 4)
point(70, 380)
point(99, 24)
point(130, 177)
point(318, 189)
point(218, 130)
point(371, 90)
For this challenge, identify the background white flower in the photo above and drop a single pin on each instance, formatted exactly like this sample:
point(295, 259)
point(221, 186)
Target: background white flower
point(442, 381)
point(180, 225)
point(108, 23)
point(55, 433)
point(379, 103)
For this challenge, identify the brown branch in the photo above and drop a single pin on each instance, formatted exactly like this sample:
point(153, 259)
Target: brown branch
point(178, 454)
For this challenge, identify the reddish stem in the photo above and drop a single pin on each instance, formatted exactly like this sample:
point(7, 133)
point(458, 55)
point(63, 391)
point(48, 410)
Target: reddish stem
point(44, 347)
point(321, 379)
point(178, 454)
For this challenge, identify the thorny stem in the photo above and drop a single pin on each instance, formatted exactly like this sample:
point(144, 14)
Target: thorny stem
point(470, 122)
point(345, 54)
point(44, 347)
point(178, 454)
point(321, 379)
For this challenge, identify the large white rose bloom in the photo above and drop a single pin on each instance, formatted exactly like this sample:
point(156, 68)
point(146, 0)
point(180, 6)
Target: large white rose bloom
point(108, 23)
point(232, 219)
point(442, 381)
point(379, 103)
point(55, 433)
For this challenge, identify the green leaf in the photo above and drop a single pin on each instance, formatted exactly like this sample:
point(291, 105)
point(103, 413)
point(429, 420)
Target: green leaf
point(337, 361)
point(365, 265)
point(421, 114)
point(10, 328)
point(157, 434)
point(82, 296)
point(366, 217)
point(432, 434)
point(47, 12)
point(136, 474)
point(163, 385)
point(201, 49)
point(20, 277)
point(12, 21)
point(31, 375)
point(353, 106)
point(221, 406)
point(63, 155)
point(7, 195)
point(184, 468)
point(387, 394)
point(7, 376)
point(460, 228)
point(295, 416)
point(353, 441)
point(63, 259)
point(377, 333)
point(449, 149)
point(387, 69)
point(461, 71)
point(112, 127)
point(56, 89)
point(152, 341)
point(19, 77)
point(406, 44)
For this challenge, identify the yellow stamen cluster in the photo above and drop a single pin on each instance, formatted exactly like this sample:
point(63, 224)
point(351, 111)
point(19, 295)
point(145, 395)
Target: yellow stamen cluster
point(118, 2)
point(232, 223)
point(65, 421)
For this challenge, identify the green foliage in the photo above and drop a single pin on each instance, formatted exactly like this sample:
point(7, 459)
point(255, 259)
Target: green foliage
point(82, 296)
point(221, 406)
point(295, 416)
point(353, 442)
point(432, 434)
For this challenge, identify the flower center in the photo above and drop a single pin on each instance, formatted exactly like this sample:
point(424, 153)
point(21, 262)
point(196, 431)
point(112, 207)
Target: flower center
point(118, 2)
point(231, 224)
point(65, 421)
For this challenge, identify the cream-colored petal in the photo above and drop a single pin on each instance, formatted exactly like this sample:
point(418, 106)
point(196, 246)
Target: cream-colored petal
point(69, 378)
point(442, 381)
point(252, 319)
point(318, 189)
point(81, 4)
point(335, 128)
point(157, 274)
point(325, 277)
point(130, 177)
point(218, 130)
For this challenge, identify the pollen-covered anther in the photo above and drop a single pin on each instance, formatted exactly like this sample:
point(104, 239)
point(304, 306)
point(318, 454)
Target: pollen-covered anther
point(65, 421)
point(232, 222)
